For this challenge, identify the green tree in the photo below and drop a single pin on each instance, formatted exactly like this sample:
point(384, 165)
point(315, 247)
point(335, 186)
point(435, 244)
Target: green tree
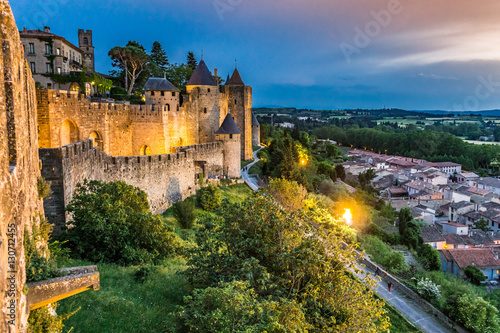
point(331, 150)
point(478, 315)
point(191, 61)
point(282, 255)
point(112, 223)
point(159, 56)
point(234, 307)
point(405, 217)
point(185, 213)
point(289, 194)
point(339, 168)
point(365, 178)
point(474, 275)
point(429, 258)
point(482, 224)
point(209, 197)
point(132, 59)
point(179, 75)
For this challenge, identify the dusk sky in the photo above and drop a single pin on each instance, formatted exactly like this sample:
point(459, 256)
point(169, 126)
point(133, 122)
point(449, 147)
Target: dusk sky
point(327, 54)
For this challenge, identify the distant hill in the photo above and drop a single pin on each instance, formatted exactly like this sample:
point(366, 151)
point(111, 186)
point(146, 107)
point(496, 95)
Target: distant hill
point(490, 113)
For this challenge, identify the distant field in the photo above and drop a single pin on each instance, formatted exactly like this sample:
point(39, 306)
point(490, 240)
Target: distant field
point(482, 142)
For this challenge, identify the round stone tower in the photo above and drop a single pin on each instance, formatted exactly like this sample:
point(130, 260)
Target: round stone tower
point(204, 99)
point(255, 131)
point(240, 106)
point(230, 136)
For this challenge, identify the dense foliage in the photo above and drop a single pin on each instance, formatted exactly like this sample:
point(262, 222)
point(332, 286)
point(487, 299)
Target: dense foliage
point(474, 275)
point(279, 255)
point(429, 257)
point(112, 223)
point(427, 144)
point(209, 197)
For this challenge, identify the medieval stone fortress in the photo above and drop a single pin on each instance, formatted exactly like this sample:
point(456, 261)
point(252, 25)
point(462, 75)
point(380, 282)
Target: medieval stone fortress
point(161, 147)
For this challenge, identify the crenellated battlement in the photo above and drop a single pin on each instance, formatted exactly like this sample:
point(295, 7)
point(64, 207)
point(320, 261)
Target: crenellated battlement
point(84, 150)
point(166, 178)
point(55, 98)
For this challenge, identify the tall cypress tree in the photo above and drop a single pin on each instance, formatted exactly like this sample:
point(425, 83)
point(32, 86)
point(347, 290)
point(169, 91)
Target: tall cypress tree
point(159, 56)
point(191, 60)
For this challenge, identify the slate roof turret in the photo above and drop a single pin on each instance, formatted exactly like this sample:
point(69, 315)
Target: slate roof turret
point(255, 122)
point(236, 79)
point(228, 126)
point(201, 76)
point(159, 84)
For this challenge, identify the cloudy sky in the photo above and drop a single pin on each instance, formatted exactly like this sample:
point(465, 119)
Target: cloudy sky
point(332, 54)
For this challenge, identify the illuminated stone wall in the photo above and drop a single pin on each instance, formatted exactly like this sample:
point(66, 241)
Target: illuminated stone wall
point(165, 178)
point(19, 170)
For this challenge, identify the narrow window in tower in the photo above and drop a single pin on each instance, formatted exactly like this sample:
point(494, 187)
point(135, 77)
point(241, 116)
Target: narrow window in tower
point(205, 110)
point(208, 89)
point(230, 136)
point(163, 93)
point(168, 107)
point(235, 101)
point(152, 93)
point(173, 93)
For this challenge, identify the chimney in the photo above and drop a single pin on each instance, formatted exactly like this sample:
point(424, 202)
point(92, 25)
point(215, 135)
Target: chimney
point(25, 29)
point(215, 76)
point(46, 29)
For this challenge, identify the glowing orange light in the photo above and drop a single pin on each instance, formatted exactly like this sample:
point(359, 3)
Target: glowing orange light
point(347, 216)
point(303, 162)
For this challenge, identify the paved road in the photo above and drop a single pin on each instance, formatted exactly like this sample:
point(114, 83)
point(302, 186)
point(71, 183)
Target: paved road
point(251, 181)
point(409, 309)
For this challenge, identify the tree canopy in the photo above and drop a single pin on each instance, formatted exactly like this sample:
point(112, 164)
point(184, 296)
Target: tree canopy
point(282, 258)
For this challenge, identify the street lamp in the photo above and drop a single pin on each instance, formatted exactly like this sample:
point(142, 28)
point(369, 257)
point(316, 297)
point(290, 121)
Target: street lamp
point(347, 216)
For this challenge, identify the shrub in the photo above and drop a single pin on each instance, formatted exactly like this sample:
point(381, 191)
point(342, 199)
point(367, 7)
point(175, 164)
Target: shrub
point(474, 275)
point(39, 264)
point(210, 197)
point(429, 258)
point(42, 320)
point(428, 290)
point(185, 214)
point(43, 188)
point(477, 315)
point(234, 307)
point(289, 194)
point(112, 223)
point(395, 262)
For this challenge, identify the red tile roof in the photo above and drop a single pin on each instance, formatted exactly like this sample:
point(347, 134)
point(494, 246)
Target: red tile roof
point(481, 257)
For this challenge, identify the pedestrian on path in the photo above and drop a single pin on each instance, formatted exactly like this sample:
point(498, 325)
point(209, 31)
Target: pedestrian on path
point(376, 271)
point(389, 285)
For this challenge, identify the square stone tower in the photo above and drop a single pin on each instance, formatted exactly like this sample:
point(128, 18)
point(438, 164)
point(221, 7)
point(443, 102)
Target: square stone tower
point(85, 44)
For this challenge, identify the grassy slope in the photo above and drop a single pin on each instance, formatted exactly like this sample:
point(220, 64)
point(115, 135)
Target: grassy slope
point(124, 305)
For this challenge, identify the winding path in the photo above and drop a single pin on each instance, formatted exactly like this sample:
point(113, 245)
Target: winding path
point(251, 181)
point(413, 312)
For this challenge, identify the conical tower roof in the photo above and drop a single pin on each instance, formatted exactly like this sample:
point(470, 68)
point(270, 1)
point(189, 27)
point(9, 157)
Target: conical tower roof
point(228, 79)
point(255, 122)
point(201, 76)
point(236, 79)
point(228, 126)
point(159, 84)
